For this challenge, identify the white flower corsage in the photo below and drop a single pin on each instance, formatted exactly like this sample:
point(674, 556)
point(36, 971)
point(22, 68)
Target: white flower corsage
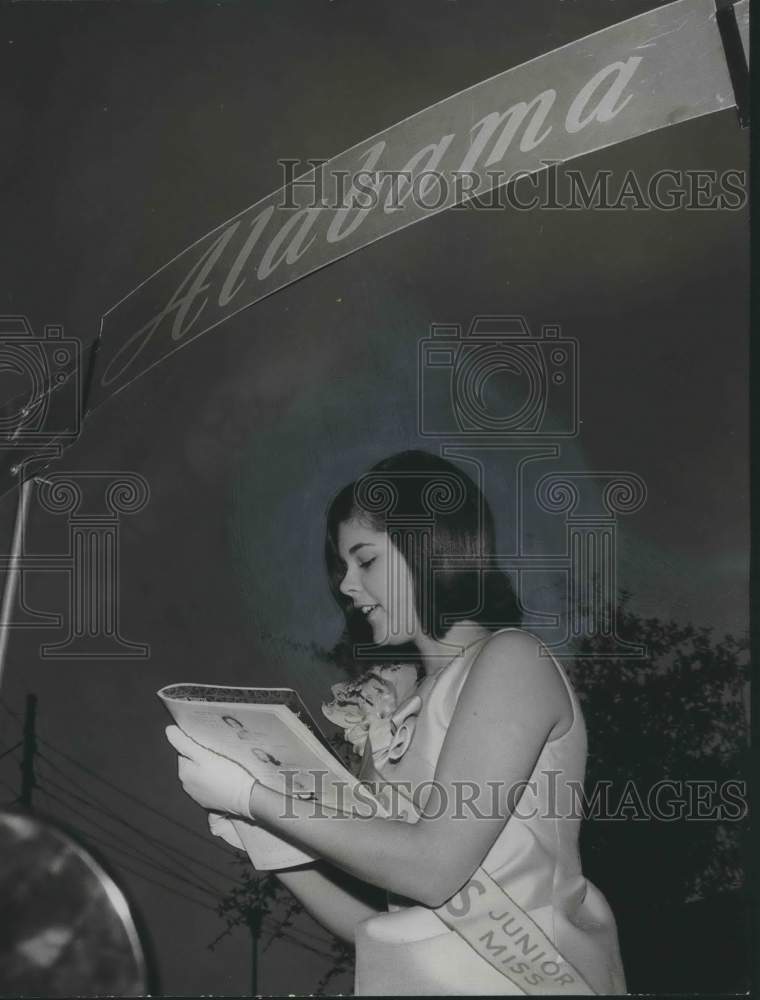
point(381, 706)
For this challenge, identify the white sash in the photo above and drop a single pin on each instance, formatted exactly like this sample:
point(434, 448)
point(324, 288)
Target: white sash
point(486, 917)
point(502, 933)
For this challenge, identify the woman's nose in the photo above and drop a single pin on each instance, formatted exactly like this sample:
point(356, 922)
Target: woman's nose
point(348, 584)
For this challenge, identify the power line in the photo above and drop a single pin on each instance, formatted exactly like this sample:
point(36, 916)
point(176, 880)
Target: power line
point(83, 767)
point(120, 864)
point(47, 795)
point(131, 853)
point(109, 811)
point(290, 936)
point(94, 802)
point(136, 853)
point(14, 800)
point(11, 749)
point(118, 843)
point(269, 924)
point(169, 850)
point(6, 785)
point(112, 815)
point(15, 719)
point(275, 931)
point(155, 881)
point(129, 795)
point(300, 930)
point(28, 782)
point(302, 944)
point(92, 838)
point(9, 710)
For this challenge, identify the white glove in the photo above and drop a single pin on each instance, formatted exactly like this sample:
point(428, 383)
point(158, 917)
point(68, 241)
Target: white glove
point(215, 782)
point(221, 826)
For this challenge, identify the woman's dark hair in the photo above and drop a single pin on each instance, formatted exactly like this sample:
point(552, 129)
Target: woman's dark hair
point(416, 493)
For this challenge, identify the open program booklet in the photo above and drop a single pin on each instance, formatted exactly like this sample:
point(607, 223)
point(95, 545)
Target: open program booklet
point(271, 734)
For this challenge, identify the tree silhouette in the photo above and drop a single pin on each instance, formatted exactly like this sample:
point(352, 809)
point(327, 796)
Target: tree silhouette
point(260, 902)
point(255, 898)
point(343, 961)
point(679, 713)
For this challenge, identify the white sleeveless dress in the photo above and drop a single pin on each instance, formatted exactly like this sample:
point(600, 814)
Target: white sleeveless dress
point(409, 951)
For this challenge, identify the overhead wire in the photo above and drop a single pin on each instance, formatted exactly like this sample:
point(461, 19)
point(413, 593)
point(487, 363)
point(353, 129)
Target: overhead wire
point(174, 892)
point(135, 852)
point(170, 850)
point(130, 795)
point(11, 749)
point(118, 816)
point(153, 841)
point(296, 936)
point(94, 803)
point(9, 710)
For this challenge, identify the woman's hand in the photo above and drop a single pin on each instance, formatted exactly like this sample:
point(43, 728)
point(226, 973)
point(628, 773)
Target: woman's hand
point(215, 782)
point(221, 826)
point(512, 700)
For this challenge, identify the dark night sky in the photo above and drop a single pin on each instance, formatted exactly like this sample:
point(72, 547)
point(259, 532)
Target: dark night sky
point(131, 130)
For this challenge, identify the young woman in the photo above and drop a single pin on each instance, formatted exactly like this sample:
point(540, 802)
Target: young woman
point(481, 891)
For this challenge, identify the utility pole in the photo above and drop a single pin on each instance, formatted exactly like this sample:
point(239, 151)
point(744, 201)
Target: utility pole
point(253, 919)
point(28, 782)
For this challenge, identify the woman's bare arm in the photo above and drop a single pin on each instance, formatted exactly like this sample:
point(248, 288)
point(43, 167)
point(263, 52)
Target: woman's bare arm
point(335, 899)
point(511, 702)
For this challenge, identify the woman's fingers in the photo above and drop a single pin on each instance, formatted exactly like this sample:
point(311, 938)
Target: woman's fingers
point(191, 778)
point(184, 766)
point(181, 743)
point(221, 826)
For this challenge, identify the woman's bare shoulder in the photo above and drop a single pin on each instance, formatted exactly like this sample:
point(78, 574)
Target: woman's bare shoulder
point(520, 646)
point(515, 664)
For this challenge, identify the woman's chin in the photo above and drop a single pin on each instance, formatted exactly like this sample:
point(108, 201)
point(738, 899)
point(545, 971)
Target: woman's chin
point(383, 636)
point(380, 637)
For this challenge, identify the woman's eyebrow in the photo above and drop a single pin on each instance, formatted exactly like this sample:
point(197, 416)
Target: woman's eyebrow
point(359, 545)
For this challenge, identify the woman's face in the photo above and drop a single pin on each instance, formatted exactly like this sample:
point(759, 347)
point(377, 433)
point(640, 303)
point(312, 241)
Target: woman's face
point(378, 582)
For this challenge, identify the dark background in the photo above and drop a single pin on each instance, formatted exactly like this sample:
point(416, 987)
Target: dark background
point(131, 130)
